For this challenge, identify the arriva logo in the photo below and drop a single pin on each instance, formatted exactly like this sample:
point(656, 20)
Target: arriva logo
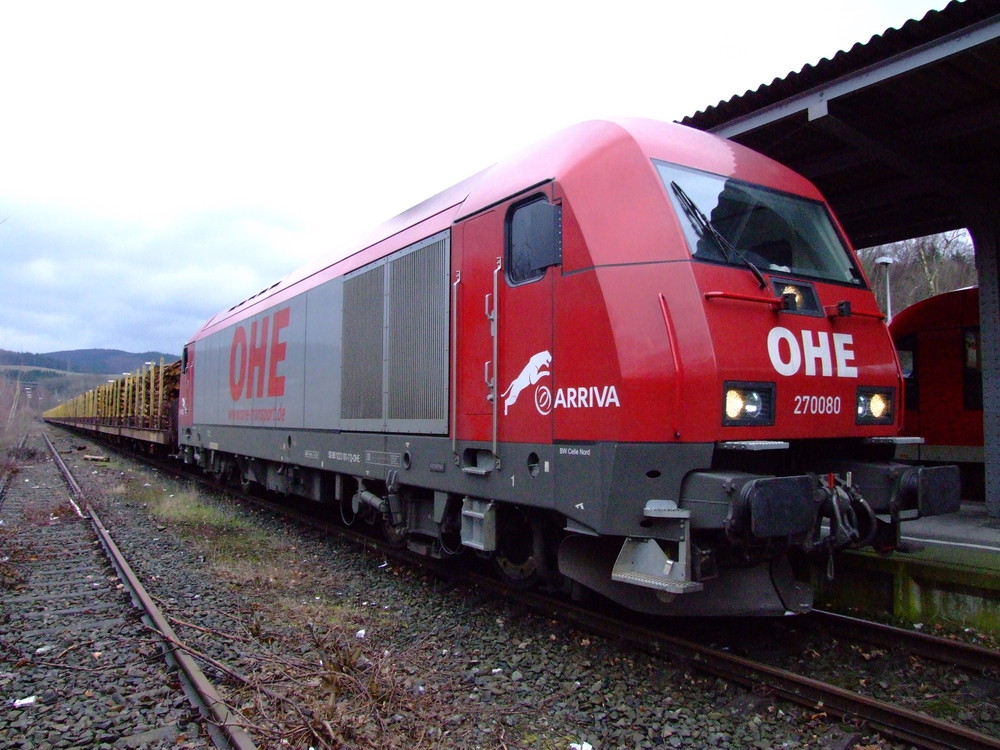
point(531, 374)
point(565, 398)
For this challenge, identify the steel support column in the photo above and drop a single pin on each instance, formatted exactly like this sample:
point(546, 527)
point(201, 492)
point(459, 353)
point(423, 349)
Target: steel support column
point(985, 230)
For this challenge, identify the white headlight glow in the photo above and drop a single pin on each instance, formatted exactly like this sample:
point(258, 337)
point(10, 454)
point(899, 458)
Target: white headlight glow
point(875, 405)
point(748, 403)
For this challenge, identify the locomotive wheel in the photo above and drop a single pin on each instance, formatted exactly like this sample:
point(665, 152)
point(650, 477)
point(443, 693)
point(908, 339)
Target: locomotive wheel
point(222, 476)
point(515, 556)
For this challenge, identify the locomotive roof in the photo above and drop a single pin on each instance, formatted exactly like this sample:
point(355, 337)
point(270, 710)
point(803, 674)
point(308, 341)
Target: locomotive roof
point(573, 154)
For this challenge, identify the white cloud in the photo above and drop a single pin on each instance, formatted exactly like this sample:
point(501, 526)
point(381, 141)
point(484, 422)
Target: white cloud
point(163, 162)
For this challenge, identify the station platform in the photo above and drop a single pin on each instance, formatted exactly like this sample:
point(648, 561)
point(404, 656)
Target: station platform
point(946, 572)
point(971, 528)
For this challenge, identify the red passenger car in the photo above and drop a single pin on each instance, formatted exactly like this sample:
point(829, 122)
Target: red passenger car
point(938, 344)
point(636, 358)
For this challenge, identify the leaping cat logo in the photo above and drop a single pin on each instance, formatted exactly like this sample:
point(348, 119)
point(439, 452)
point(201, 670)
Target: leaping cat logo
point(530, 375)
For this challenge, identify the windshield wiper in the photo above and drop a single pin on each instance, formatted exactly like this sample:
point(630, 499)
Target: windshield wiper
point(706, 226)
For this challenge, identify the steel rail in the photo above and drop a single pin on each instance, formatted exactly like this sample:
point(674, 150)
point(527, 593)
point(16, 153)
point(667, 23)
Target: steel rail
point(916, 728)
point(223, 726)
point(193, 679)
point(67, 474)
point(945, 650)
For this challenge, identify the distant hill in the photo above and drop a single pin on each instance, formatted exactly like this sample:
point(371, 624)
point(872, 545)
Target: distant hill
point(95, 361)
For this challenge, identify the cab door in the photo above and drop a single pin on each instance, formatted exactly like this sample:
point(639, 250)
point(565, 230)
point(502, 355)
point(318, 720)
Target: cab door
point(503, 298)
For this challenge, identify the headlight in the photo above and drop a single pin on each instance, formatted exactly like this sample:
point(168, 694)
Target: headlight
point(875, 405)
point(747, 403)
point(797, 297)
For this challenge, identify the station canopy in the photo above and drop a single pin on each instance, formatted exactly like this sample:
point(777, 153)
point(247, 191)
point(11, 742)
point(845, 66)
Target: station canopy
point(900, 133)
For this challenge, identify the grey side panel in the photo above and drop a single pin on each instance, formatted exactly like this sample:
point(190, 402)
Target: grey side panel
point(288, 409)
point(200, 406)
point(291, 404)
point(206, 398)
point(252, 373)
point(322, 357)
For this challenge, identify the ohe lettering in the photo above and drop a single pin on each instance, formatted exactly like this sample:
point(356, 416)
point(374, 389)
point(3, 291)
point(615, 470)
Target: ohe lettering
point(254, 358)
point(788, 354)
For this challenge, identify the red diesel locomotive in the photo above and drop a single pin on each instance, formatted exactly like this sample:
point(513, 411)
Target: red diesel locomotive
point(635, 358)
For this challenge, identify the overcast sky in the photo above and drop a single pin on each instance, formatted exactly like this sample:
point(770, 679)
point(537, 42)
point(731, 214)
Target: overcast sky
point(161, 162)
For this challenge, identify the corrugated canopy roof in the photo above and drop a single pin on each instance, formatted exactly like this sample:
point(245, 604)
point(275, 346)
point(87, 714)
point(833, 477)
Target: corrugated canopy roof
point(900, 133)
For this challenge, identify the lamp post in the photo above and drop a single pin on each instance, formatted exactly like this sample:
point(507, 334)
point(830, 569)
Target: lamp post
point(885, 260)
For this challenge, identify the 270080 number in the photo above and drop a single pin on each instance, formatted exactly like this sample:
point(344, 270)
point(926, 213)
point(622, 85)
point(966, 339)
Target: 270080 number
point(817, 404)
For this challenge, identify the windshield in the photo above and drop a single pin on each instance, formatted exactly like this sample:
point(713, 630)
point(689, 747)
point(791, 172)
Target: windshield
point(737, 223)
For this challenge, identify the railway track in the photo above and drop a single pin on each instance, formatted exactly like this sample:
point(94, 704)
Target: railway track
point(81, 664)
point(895, 721)
point(943, 650)
point(892, 720)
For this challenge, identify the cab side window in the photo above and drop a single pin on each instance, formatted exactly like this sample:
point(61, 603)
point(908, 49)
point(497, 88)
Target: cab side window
point(906, 349)
point(972, 374)
point(533, 239)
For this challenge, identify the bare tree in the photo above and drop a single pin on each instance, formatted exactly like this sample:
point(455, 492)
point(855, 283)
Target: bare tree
point(921, 267)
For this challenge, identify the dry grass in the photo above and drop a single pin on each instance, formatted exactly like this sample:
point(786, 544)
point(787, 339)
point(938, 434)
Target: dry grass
point(255, 559)
point(319, 671)
point(184, 508)
point(15, 416)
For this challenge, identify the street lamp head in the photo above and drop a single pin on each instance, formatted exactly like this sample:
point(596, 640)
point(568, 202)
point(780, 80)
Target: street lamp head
point(885, 260)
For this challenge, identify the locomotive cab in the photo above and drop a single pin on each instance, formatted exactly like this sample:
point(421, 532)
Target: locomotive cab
point(778, 366)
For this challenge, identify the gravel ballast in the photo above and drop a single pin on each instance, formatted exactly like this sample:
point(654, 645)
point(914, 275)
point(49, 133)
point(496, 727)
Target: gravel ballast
point(328, 644)
point(77, 667)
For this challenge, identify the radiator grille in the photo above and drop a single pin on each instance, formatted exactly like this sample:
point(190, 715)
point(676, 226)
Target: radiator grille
point(362, 363)
point(395, 359)
point(418, 334)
